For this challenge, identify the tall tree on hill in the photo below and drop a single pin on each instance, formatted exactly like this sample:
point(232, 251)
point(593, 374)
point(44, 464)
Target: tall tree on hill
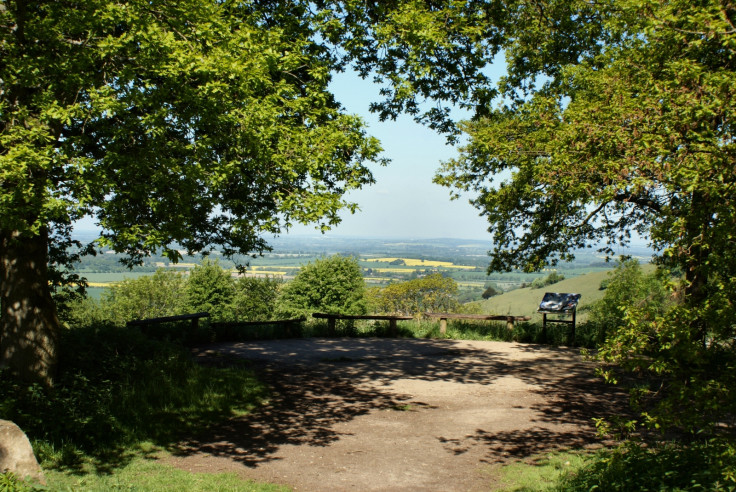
point(197, 123)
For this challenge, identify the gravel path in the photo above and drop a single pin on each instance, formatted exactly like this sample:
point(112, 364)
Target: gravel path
point(402, 414)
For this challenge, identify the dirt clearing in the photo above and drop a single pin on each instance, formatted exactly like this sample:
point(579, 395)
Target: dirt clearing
point(402, 414)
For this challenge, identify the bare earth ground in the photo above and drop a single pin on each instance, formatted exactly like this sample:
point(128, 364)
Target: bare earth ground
point(401, 414)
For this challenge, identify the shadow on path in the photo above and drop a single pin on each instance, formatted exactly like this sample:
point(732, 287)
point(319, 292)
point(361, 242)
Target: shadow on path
point(336, 381)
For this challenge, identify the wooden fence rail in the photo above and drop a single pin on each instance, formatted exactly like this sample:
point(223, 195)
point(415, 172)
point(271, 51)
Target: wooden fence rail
point(332, 318)
point(443, 317)
point(165, 319)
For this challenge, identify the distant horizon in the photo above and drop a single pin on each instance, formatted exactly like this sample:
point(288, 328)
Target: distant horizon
point(86, 231)
point(316, 235)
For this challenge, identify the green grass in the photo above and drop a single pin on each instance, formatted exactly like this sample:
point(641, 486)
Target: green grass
point(150, 475)
point(457, 330)
point(117, 396)
point(540, 473)
point(524, 302)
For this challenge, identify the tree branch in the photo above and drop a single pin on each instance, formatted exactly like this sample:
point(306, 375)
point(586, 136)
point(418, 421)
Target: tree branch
point(637, 200)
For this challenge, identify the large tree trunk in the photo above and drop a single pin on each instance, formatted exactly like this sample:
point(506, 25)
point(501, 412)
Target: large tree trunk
point(29, 327)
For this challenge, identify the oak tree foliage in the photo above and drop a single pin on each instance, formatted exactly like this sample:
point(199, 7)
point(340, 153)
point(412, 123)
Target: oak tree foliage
point(175, 124)
point(614, 120)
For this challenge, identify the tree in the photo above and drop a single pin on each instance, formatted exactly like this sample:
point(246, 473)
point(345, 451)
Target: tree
point(149, 296)
point(211, 289)
point(550, 279)
point(629, 292)
point(491, 291)
point(614, 119)
point(431, 293)
point(329, 285)
point(255, 298)
point(176, 124)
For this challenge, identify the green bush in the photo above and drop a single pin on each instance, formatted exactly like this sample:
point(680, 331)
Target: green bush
point(255, 298)
point(431, 293)
point(149, 296)
point(491, 291)
point(550, 279)
point(709, 465)
point(330, 285)
point(673, 353)
point(628, 289)
point(210, 289)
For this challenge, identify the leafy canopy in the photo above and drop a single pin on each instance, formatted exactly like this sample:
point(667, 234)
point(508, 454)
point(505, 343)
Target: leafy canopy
point(614, 119)
point(171, 122)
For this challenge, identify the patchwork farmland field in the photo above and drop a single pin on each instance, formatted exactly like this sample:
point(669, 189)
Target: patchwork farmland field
point(382, 262)
point(415, 262)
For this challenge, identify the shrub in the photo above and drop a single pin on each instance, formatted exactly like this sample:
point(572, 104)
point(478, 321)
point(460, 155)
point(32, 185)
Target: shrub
point(628, 288)
point(210, 289)
point(255, 299)
point(432, 293)
point(705, 465)
point(491, 291)
point(331, 285)
point(144, 297)
point(550, 279)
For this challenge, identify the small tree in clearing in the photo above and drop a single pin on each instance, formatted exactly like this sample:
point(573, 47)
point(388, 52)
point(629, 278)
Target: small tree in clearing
point(426, 294)
point(331, 285)
point(211, 289)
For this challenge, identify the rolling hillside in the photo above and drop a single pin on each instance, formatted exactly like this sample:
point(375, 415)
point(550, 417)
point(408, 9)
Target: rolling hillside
point(524, 302)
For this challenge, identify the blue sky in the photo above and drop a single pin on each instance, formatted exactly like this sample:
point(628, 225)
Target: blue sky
point(403, 202)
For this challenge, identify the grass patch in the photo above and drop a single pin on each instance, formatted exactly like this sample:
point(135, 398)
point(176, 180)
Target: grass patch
point(671, 466)
point(541, 473)
point(150, 475)
point(116, 391)
point(525, 301)
point(556, 334)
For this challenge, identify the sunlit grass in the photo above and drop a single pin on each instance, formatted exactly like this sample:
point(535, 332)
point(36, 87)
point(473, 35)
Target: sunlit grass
point(541, 473)
point(148, 474)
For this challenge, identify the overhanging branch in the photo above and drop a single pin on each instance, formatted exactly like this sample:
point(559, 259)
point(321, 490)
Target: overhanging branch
point(641, 201)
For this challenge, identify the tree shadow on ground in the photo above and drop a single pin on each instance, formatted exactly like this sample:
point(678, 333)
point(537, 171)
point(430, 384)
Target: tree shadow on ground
point(303, 409)
point(311, 395)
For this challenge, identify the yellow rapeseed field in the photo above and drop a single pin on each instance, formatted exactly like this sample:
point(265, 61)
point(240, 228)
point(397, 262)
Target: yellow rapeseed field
point(413, 262)
point(391, 270)
point(264, 272)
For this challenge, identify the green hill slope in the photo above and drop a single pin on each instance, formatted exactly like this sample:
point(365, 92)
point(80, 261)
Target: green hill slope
point(524, 302)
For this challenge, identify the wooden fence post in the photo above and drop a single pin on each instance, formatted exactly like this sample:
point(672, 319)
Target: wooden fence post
point(392, 327)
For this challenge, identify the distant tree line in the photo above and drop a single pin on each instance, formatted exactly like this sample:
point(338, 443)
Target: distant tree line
point(331, 285)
